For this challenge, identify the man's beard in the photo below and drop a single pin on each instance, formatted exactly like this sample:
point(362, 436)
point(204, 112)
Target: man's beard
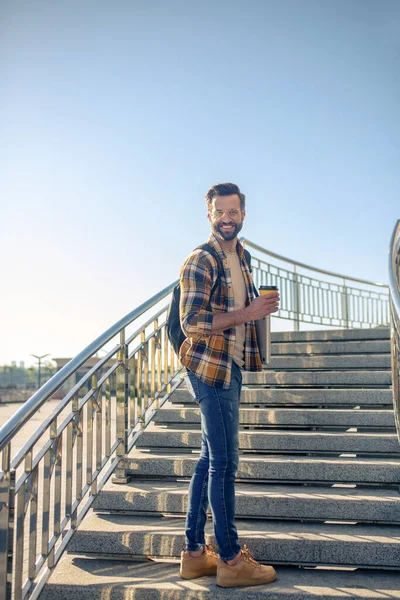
point(227, 235)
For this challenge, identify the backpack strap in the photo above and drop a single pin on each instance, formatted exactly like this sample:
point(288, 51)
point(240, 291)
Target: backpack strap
point(248, 258)
point(210, 249)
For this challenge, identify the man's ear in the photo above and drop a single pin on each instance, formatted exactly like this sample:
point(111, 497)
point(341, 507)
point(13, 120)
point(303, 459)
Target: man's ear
point(243, 213)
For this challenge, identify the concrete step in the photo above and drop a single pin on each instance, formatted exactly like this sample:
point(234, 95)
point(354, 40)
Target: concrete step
point(263, 500)
point(81, 578)
point(296, 417)
point(331, 347)
point(279, 441)
point(303, 397)
point(378, 333)
point(329, 362)
point(274, 468)
point(290, 543)
point(322, 378)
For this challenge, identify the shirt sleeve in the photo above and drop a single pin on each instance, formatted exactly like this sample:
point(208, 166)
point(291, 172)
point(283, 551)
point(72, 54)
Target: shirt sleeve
point(196, 282)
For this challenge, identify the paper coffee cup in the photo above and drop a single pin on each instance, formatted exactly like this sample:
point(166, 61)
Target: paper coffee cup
point(267, 289)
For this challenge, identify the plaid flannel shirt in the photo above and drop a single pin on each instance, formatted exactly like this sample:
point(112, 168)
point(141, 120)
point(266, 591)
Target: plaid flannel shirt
point(209, 356)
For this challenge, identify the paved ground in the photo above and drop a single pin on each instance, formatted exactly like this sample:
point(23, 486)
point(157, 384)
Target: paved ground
point(7, 410)
point(22, 437)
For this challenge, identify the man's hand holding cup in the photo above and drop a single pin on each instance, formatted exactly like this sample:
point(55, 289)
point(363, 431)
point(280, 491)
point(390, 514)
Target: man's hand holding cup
point(266, 304)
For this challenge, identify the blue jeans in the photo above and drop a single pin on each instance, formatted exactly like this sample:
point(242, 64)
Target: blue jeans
point(214, 476)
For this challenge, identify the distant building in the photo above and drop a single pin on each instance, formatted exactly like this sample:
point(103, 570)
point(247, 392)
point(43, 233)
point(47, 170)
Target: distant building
point(73, 380)
point(22, 364)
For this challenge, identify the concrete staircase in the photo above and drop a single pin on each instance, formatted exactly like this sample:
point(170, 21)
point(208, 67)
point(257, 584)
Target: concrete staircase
point(317, 486)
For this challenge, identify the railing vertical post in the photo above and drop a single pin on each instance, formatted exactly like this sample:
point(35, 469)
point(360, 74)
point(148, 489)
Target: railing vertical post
point(157, 358)
point(4, 520)
point(33, 520)
point(97, 406)
point(153, 345)
point(120, 473)
point(78, 420)
point(132, 395)
point(296, 300)
point(127, 394)
point(146, 357)
point(345, 305)
point(394, 338)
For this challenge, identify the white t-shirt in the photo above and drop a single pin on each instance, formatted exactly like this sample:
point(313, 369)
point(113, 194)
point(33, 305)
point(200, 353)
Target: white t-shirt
point(240, 296)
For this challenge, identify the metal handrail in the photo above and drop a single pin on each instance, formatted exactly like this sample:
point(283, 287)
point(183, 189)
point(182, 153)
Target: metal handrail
point(23, 414)
point(247, 242)
point(131, 382)
point(394, 287)
point(394, 264)
point(49, 486)
point(346, 301)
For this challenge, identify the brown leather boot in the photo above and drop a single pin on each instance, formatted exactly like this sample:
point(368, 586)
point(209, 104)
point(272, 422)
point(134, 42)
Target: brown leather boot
point(205, 564)
point(246, 572)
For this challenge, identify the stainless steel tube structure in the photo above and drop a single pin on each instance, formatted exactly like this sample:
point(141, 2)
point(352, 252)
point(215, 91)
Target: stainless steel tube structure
point(394, 287)
point(334, 301)
point(47, 487)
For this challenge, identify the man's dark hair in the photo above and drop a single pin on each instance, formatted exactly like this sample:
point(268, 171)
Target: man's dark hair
point(224, 189)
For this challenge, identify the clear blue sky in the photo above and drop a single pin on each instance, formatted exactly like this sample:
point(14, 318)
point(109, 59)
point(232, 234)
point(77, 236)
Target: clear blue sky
point(118, 116)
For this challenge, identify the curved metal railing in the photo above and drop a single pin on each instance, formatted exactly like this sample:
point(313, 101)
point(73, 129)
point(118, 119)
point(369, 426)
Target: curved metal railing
point(48, 487)
point(334, 301)
point(394, 287)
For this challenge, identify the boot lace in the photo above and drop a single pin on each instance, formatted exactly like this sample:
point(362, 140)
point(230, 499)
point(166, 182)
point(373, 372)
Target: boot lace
point(248, 557)
point(209, 550)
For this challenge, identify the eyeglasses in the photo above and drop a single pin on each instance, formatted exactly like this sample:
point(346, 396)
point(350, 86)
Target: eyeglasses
point(234, 213)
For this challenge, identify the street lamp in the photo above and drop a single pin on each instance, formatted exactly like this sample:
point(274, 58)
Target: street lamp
point(40, 362)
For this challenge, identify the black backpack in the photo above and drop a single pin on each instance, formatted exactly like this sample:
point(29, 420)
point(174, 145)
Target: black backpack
point(174, 329)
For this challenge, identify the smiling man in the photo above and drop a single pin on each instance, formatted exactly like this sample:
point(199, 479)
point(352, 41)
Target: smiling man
point(218, 310)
